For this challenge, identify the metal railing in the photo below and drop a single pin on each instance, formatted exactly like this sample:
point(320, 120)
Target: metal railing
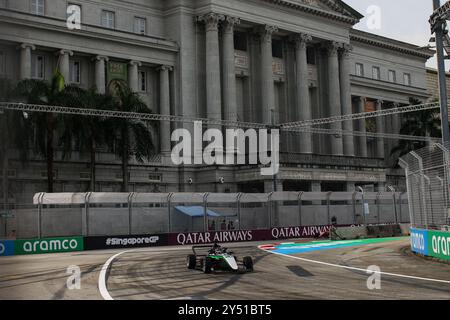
point(427, 182)
point(114, 214)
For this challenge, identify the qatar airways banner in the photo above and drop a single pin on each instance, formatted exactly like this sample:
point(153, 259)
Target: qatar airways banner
point(300, 232)
point(191, 238)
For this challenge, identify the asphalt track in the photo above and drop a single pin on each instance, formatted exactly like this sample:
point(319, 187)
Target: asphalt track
point(160, 273)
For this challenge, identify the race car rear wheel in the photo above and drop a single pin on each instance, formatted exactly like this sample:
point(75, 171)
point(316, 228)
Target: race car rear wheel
point(207, 265)
point(248, 263)
point(191, 261)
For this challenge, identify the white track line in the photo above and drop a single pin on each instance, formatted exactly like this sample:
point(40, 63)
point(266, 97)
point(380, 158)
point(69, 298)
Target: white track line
point(356, 269)
point(102, 277)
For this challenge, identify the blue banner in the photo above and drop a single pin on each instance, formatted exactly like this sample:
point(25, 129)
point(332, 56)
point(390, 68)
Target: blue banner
point(419, 241)
point(6, 247)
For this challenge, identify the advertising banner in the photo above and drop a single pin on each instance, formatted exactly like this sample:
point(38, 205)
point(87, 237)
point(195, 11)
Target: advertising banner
point(191, 238)
point(117, 71)
point(300, 232)
point(439, 244)
point(6, 247)
point(419, 241)
point(120, 242)
point(49, 245)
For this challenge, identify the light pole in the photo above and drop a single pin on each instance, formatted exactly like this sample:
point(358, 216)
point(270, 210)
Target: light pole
point(439, 31)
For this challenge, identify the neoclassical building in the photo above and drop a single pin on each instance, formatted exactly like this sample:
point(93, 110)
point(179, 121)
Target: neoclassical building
point(261, 61)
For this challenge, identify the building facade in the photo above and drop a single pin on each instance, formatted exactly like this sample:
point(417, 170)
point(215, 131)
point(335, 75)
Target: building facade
point(264, 61)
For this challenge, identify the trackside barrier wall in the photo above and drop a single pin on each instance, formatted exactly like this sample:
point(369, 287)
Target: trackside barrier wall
point(431, 243)
point(108, 214)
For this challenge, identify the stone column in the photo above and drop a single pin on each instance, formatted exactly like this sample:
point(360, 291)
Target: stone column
point(64, 63)
point(25, 60)
point(133, 75)
point(302, 87)
point(346, 99)
point(229, 70)
point(164, 98)
point(267, 82)
point(362, 128)
point(380, 129)
point(100, 73)
point(213, 83)
point(334, 99)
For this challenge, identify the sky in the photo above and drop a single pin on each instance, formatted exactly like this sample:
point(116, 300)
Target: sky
point(404, 20)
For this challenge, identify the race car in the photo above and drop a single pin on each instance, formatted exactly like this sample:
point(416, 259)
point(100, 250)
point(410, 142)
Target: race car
point(217, 258)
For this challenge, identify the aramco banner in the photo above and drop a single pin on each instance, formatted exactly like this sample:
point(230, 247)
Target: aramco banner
point(431, 243)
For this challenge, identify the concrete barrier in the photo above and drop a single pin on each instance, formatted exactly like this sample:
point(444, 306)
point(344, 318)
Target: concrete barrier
point(372, 231)
point(348, 233)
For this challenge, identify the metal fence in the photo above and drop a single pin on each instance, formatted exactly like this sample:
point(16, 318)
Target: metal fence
point(427, 182)
point(114, 214)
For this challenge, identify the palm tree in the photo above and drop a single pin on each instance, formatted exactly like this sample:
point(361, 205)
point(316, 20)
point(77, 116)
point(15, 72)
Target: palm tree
point(86, 133)
point(133, 137)
point(425, 123)
point(44, 125)
point(14, 134)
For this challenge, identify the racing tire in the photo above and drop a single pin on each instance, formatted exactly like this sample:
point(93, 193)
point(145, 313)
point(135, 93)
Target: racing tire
point(248, 263)
point(191, 262)
point(207, 265)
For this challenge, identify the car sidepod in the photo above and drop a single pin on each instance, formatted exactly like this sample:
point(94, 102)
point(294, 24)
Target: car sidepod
point(231, 262)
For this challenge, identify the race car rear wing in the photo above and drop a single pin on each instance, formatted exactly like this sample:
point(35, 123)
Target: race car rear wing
point(194, 248)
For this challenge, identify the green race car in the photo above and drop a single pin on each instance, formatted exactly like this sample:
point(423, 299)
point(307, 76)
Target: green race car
point(217, 258)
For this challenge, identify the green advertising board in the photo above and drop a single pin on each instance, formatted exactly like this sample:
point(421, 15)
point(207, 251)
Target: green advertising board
point(439, 244)
point(117, 71)
point(48, 245)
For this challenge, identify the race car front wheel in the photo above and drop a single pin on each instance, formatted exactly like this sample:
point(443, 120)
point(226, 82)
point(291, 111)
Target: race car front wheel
point(191, 261)
point(248, 263)
point(207, 265)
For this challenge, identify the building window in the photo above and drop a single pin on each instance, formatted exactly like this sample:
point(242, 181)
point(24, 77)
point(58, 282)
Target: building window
point(407, 79)
point(277, 49)
point(359, 70)
point(142, 81)
point(240, 41)
point(376, 73)
point(108, 19)
point(392, 76)
point(38, 7)
point(311, 55)
point(140, 25)
point(38, 67)
point(75, 72)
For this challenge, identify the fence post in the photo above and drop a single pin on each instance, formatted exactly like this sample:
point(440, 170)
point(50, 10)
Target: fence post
point(328, 207)
point(445, 181)
point(205, 211)
point(299, 199)
point(269, 208)
point(422, 187)
point(392, 189)
point(405, 166)
point(130, 213)
point(354, 206)
point(87, 197)
point(363, 205)
point(169, 199)
point(238, 203)
point(40, 200)
point(377, 201)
